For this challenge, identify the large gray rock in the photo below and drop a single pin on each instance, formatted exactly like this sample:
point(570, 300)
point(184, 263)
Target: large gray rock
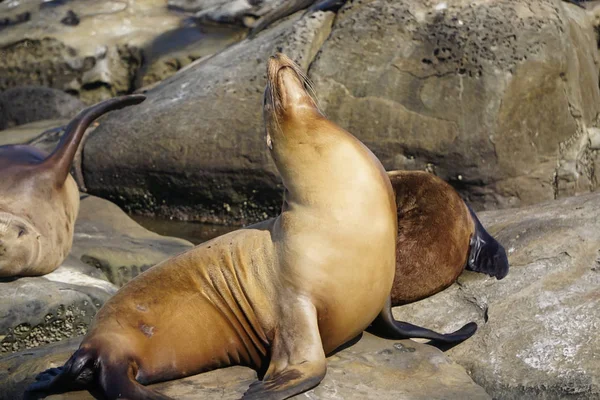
point(538, 335)
point(373, 368)
point(196, 148)
point(33, 103)
point(499, 98)
point(108, 246)
point(496, 97)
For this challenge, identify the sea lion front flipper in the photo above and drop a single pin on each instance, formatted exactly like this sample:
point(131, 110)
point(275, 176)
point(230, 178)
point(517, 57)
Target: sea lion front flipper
point(486, 255)
point(385, 325)
point(297, 357)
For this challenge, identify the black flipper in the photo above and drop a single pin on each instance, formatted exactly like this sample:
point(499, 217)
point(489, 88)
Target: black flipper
point(486, 255)
point(86, 370)
point(326, 5)
point(286, 8)
point(386, 326)
point(291, 6)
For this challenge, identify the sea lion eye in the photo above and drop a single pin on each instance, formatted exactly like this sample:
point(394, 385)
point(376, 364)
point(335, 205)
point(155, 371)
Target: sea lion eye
point(22, 231)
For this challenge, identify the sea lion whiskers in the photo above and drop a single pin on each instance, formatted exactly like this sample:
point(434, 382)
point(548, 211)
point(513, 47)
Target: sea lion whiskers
point(277, 63)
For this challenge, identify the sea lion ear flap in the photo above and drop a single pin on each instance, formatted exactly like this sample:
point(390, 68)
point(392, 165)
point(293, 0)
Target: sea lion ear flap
point(59, 162)
point(486, 255)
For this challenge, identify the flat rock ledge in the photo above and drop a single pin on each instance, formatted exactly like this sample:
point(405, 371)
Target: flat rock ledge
point(373, 368)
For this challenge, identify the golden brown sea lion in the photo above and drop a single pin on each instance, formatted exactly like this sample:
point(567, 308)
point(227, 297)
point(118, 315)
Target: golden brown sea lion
point(438, 236)
point(273, 296)
point(39, 199)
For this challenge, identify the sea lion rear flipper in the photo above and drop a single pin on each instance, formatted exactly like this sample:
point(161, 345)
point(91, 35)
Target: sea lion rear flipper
point(297, 357)
point(385, 325)
point(486, 255)
point(82, 369)
point(59, 162)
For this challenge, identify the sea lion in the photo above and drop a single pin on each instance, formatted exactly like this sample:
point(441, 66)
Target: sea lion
point(39, 199)
point(438, 236)
point(272, 296)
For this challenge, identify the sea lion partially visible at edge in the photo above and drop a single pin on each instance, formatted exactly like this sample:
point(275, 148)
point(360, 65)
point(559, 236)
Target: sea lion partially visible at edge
point(39, 199)
point(273, 296)
point(438, 236)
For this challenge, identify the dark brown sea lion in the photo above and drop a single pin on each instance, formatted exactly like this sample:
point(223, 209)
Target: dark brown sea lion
point(438, 236)
point(39, 199)
point(273, 296)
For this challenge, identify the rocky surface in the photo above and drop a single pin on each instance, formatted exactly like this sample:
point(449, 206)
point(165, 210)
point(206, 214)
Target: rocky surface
point(538, 327)
point(499, 98)
point(212, 163)
point(108, 246)
point(40, 310)
point(373, 368)
point(27, 104)
point(108, 239)
point(31, 133)
point(98, 49)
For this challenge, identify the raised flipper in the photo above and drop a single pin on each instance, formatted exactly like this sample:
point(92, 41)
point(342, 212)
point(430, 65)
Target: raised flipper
point(85, 370)
point(297, 357)
point(59, 162)
point(385, 325)
point(486, 255)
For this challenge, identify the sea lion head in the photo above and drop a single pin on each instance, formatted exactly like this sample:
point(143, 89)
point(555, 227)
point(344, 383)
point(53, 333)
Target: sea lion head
point(289, 103)
point(19, 244)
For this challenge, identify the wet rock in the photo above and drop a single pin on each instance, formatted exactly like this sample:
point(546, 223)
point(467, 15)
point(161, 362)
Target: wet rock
point(86, 48)
point(538, 327)
point(35, 103)
point(373, 368)
point(495, 97)
point(108, 246)
point(106, 238)
point(212, 164)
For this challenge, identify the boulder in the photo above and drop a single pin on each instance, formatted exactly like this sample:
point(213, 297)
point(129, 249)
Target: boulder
point(195, 148)
point(27, 104)
point(373, 368)
point(495, 97)
point(107, 246)
point(499, 98)
point(538, 327)
point(85, 48)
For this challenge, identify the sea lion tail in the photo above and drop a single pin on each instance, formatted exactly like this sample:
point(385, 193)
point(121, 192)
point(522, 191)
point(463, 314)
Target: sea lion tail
point(114, 376)
point(62, 157)
point(386, 326)
point(486, 255)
